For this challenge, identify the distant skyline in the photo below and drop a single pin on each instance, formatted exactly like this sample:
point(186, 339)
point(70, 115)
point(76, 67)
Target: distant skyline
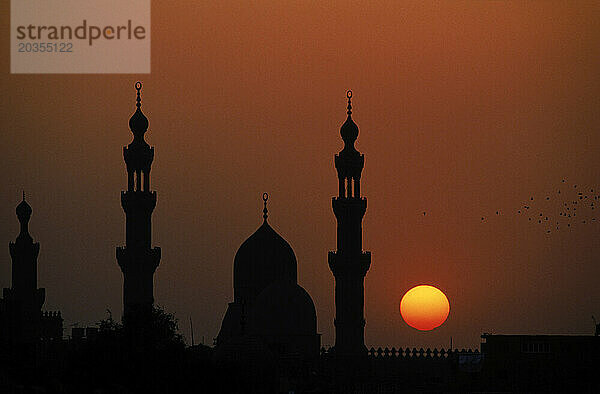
point(464, 109)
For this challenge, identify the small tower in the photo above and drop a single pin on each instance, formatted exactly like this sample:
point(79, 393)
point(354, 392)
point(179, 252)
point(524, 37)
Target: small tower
point(138, 260)
point(349, 263)
point(24, 300)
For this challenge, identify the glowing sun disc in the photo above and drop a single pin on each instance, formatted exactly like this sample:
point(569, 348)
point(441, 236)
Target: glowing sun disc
point(424, 307)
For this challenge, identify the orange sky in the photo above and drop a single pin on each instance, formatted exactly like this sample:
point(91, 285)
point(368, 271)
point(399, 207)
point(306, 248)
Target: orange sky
point(464, 108)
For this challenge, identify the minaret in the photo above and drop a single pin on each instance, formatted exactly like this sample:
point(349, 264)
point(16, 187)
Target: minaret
point(349, 263)
point(138, 260)
point(24, 298)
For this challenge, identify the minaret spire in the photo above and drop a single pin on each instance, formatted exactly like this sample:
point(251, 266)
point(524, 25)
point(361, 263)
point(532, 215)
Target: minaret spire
point(349, 263)
point(265, 198)
point(24, 214)
point(349, 95)
point(138, 101)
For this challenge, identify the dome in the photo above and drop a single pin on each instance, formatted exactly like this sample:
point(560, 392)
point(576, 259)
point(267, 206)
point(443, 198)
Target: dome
point(262, 259)
point(283, 309)
point(349, 131)
point(23, 211)
point(138, 123)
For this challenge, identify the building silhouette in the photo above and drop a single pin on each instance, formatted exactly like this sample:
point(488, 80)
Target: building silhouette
point(269, 308)
point(349, 264)
point(21, 318)
point(268, 340)
point(542, 363)
point(138, 259)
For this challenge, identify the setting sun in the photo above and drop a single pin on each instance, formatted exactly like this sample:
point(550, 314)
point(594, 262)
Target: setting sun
point(424, 307)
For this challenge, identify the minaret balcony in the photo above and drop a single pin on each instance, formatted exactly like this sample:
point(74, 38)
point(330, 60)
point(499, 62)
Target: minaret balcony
point(348, 264)
point(143, 259)
point(349, 208)
point(135, 200)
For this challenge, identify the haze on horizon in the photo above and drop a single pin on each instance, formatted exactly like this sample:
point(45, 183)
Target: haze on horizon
point(465, 108)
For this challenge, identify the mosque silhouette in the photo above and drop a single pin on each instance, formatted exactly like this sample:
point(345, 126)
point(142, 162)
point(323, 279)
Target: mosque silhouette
point(268, 340)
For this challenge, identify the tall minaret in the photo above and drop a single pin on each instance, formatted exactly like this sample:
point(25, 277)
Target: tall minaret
point(24, 298)
point(138, 260)
point(349, 263)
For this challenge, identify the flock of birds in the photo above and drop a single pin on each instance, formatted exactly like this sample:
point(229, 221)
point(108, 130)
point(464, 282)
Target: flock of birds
point(577, 206)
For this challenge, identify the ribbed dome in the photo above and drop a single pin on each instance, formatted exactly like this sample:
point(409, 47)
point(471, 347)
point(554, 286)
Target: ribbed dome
point(283, 309)
point(261, 260)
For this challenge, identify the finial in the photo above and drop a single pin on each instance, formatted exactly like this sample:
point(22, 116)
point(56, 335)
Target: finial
point(138, 87)
point(349, 95)
point(23, 213)
point(349, 130)
point(138, 123)
point(265, 198)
